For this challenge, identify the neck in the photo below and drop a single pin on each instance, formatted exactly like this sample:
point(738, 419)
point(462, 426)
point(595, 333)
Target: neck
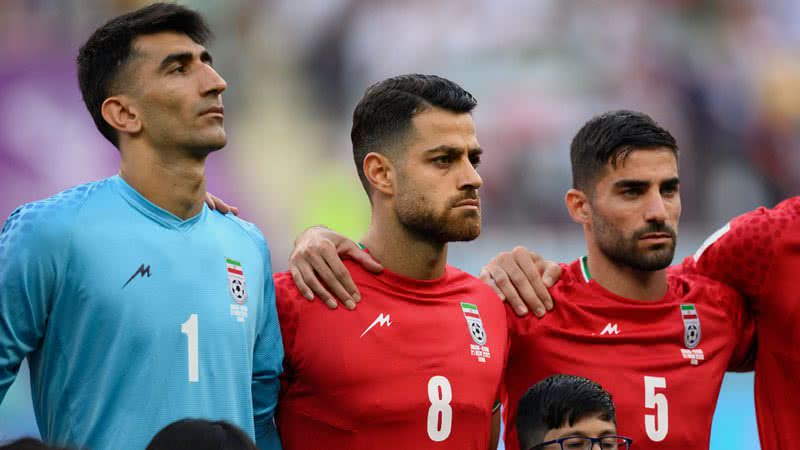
point(646, 286)
point(173, 181)
point(402, 252)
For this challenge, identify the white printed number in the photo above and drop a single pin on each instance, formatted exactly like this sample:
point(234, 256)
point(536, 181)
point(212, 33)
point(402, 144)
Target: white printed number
point(656, 425)
point(189, 328)
point(440, 395)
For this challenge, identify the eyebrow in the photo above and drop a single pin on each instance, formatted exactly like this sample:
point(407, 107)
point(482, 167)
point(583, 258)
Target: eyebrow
point(451, 149)
point(184, 57)
point(639, 184)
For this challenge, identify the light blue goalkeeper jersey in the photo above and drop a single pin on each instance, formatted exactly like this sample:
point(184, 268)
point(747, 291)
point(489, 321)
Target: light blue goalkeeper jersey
point(132, 318)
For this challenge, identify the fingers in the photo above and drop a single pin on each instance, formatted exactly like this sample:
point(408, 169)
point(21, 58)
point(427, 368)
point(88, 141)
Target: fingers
point(486, 277)
point(343, 286)
point(537, 296)
point(551, 273)
point(215, 203)
point(518, 268)
point(354, 252)
point(306, 280)
point(506, 287)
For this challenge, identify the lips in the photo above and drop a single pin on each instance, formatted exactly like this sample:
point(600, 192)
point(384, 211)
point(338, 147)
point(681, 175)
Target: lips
point(214, 110)
point(469, 202)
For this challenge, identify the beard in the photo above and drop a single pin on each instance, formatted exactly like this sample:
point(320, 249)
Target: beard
point(417, 214)
point(625, 251)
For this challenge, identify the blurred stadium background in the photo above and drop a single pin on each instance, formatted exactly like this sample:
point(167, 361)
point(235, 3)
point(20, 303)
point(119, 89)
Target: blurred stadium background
point(722, 75)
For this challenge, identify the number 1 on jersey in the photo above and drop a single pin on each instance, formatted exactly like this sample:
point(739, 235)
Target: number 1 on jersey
point(189, 328)
point(656, 425)
point(440, 394)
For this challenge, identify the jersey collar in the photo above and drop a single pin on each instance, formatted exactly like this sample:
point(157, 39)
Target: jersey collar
point(153, 211)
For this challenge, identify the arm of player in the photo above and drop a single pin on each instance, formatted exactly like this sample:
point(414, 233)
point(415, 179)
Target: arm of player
point(317, 254)
point(267, 368)
point(28, 276)
point(521, 277)
point(494, 436)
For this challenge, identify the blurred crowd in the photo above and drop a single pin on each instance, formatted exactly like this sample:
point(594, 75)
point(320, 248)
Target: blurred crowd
point(722, 75)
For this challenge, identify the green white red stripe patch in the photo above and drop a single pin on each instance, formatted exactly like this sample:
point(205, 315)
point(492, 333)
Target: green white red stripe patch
point(470, 310)
point(234, 267)
point(688, 311)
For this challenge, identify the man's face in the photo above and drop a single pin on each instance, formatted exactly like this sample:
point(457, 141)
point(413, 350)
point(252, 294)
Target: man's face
point(177, 93)
point(593, 427)
point(636, 208)
point(437, 186)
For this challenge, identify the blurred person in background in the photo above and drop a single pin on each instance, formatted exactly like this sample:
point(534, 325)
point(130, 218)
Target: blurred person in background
point(618, 303)
point(421, 360)
point(201, 434)
point(134, 304)
point(565, 412)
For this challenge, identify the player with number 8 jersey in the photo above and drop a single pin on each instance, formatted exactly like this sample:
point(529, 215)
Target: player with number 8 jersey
point(417, 365)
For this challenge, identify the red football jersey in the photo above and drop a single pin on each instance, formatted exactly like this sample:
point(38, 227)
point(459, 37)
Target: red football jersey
point(758, 254)
point(662, 361)
point(417, 365)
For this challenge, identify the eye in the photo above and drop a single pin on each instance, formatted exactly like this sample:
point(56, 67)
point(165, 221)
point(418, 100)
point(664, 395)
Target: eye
point(669, 190)
point(475, 160)
point(631, 193)
point(442, 160)
point(178, 69)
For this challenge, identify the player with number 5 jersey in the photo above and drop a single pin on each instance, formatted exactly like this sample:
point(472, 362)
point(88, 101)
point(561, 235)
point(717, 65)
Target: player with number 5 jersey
point(659, 343)
point(418, 365)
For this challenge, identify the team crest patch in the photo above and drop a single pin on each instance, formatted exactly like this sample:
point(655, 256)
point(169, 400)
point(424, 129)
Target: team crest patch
point(691, 326)
point(476, 331)
point(237, 289)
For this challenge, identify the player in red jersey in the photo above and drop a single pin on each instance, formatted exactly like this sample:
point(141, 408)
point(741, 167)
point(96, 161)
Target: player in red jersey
point(658, 343)
point(419, 364)
point(758, 254)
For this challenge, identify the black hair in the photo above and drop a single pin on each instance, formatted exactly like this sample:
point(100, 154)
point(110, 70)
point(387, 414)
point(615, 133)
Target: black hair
point(612, 137)
point(102, 59)
point(557, 401)
point(200, 434)
point(383, 116)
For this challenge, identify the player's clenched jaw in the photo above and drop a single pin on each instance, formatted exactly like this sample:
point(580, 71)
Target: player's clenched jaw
point(635, 209)
point(437, 179)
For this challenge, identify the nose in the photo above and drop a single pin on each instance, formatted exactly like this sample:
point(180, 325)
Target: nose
point(470, 179)
point(656, 208)
point(214, 83)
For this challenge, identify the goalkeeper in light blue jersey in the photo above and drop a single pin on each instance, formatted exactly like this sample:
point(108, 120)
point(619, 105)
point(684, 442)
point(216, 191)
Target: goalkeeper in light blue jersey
point(135, 305)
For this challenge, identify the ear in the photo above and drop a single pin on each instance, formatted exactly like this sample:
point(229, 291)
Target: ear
point(578, 206)
point(380, 173)
point(119, 112)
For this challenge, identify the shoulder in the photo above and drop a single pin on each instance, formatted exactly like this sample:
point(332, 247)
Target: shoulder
point(703, 290)
point(50, 221)
point(246, 228)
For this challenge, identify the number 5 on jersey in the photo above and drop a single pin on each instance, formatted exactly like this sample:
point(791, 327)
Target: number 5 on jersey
point(656, 424)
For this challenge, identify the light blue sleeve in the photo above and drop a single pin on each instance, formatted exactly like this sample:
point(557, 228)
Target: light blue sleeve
point(28, 281)
point(267, 364)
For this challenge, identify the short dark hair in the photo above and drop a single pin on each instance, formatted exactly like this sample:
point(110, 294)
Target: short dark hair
point(200, 434)
point(612, 137)
point(559, 400)
point(383, 116)
point(104, 55)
